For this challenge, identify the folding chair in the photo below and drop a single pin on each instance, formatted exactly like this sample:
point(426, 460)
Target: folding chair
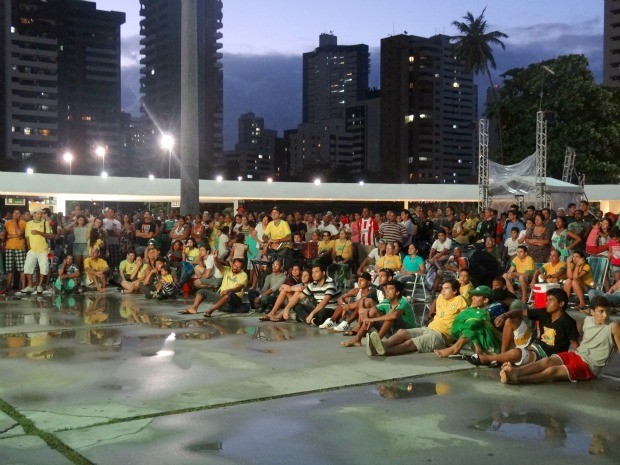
point(600, 267)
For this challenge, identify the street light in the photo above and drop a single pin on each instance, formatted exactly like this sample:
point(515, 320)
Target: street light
point(68, 157)
point(100, 151)
point(167, 142)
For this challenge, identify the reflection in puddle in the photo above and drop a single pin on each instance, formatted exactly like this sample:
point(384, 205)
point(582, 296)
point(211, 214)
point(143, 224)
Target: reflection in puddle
point(204, 446)
point(400, 390)
point(551, 428)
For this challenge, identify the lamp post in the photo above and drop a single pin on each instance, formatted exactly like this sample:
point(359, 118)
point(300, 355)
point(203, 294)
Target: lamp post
point(100, 151)
point(167, 142)
point(68, 157)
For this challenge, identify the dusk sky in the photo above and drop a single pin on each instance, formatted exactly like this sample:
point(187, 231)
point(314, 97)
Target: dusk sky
point(263, 42)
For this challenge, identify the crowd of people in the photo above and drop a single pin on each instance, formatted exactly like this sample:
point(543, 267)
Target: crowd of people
point(349, 273)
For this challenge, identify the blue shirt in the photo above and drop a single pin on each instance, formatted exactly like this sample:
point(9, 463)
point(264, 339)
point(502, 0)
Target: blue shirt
point(412, 265)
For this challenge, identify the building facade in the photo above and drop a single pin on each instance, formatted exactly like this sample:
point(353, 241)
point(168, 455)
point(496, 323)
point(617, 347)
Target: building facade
point(428, 112)
point(160, 81)
point(611, 46)
point(60, 85)
point(333, 76)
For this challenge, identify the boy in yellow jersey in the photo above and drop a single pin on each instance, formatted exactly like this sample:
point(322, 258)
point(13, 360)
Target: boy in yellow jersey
point(521, 269)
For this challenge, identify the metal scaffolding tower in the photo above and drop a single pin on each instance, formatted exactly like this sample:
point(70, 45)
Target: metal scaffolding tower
point(484, 200)
point(569, 164)
point(542, 197)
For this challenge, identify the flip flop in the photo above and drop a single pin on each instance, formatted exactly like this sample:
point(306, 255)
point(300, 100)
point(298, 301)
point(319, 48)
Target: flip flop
point(264, 318)
point(207, 315)
point(186, 312)
point(350, 333)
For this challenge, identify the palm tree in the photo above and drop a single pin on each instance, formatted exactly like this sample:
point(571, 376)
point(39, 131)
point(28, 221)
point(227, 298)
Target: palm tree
point(473, 48)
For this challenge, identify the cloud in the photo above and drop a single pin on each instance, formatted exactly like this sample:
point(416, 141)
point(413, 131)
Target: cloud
point(270, 85)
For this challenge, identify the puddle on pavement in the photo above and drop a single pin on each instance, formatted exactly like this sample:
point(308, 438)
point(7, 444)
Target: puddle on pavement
point(204, 446)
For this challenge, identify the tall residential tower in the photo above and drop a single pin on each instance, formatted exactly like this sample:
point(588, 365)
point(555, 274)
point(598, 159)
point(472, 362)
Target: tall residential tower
point(428, 112)
point(160, 80)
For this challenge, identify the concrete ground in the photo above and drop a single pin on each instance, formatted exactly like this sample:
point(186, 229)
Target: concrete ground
point(119, 379)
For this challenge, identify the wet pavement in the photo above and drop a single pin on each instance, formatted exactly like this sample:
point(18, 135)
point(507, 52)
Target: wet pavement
point(119, 379)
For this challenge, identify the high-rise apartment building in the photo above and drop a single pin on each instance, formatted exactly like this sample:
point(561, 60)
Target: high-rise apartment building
point(254, 154)
point(333, 76)
point(611, 46)
point(60, 85)
point(428, 112)
point(160, 80)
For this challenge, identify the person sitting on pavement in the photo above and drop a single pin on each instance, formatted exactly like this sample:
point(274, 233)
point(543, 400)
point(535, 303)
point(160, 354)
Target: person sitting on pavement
point(427, 338)
point(473, 325)
point(295, 284)
point(552, 272)
point(391, 314)
point(521, 269)
point(579, 277)
point(601, 338)
point(348, 305)
point(558, 332)
point(324, 299)
point(208, 274)
point(268, 294)
point(132, 271)
point(96, 270)
point(68, 275)
point(228, 296)
point(165, 288)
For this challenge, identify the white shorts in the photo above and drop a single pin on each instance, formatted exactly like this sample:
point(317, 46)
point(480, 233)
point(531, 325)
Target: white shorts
point(32, 258)
point(522, 335)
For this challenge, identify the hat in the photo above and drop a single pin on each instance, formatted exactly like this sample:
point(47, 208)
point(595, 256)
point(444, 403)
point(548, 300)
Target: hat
point(206, 213)
point(484, 291)
point(365, 275)
point(37, 210)
point(151, 241)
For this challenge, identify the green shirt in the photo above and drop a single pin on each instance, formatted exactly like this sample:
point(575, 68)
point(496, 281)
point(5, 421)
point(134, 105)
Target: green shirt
point(405, 307)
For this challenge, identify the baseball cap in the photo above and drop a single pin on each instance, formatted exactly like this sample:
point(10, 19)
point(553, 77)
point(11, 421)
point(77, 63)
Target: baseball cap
point(365, 275)
point(151, 241)
point(483, 291)
point(37, 210)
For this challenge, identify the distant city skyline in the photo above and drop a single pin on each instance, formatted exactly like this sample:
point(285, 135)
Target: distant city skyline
point(263, 42)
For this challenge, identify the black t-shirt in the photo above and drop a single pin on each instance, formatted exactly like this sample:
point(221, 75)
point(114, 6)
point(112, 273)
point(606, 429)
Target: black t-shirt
point(299, 227)
point(487, 228)
point(145, 228)
point(554, 336)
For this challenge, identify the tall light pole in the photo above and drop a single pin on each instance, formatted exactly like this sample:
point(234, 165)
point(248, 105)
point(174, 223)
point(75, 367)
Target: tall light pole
point(100, 151)
point(68, 157)
point(167, 142)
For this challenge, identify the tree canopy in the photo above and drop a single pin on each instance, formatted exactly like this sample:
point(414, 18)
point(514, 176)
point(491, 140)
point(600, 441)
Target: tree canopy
point(584, 116)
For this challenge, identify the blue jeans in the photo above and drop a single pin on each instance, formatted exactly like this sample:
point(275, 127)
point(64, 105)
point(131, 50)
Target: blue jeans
point(614, 298)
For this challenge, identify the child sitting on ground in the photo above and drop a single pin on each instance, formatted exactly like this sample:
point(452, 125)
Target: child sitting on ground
point(600, 339)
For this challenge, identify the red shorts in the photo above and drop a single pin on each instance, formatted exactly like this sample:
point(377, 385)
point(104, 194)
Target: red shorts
point(577, 369)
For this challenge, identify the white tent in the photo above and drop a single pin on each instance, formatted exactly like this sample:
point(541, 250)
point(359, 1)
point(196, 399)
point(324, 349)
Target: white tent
point(509, 184)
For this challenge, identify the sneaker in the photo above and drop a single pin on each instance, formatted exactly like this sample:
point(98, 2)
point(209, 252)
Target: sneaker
point(28, 290)
point(327, 324)
point(375, 341)
point(342, 327)
point(39, 290)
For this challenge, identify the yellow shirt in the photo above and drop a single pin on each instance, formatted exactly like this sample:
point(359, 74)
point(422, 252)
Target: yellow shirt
point(445, 313)
point(524, 266)
point(394, 262)
point(192, 255)
point(325, 247)
point(464, 292)
point(278, 232)
point(343, 248)
point(126, 268)
point(231, 280)
point(37, 243)
point(549, 269)
point(99, 265)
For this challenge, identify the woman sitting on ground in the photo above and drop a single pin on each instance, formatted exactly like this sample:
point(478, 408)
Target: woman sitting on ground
point(132, 272)
point(287, 291)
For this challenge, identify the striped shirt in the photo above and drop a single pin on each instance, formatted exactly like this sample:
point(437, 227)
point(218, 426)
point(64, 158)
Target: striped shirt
point(319, 292)
point(393, 232)
point(367, 228)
